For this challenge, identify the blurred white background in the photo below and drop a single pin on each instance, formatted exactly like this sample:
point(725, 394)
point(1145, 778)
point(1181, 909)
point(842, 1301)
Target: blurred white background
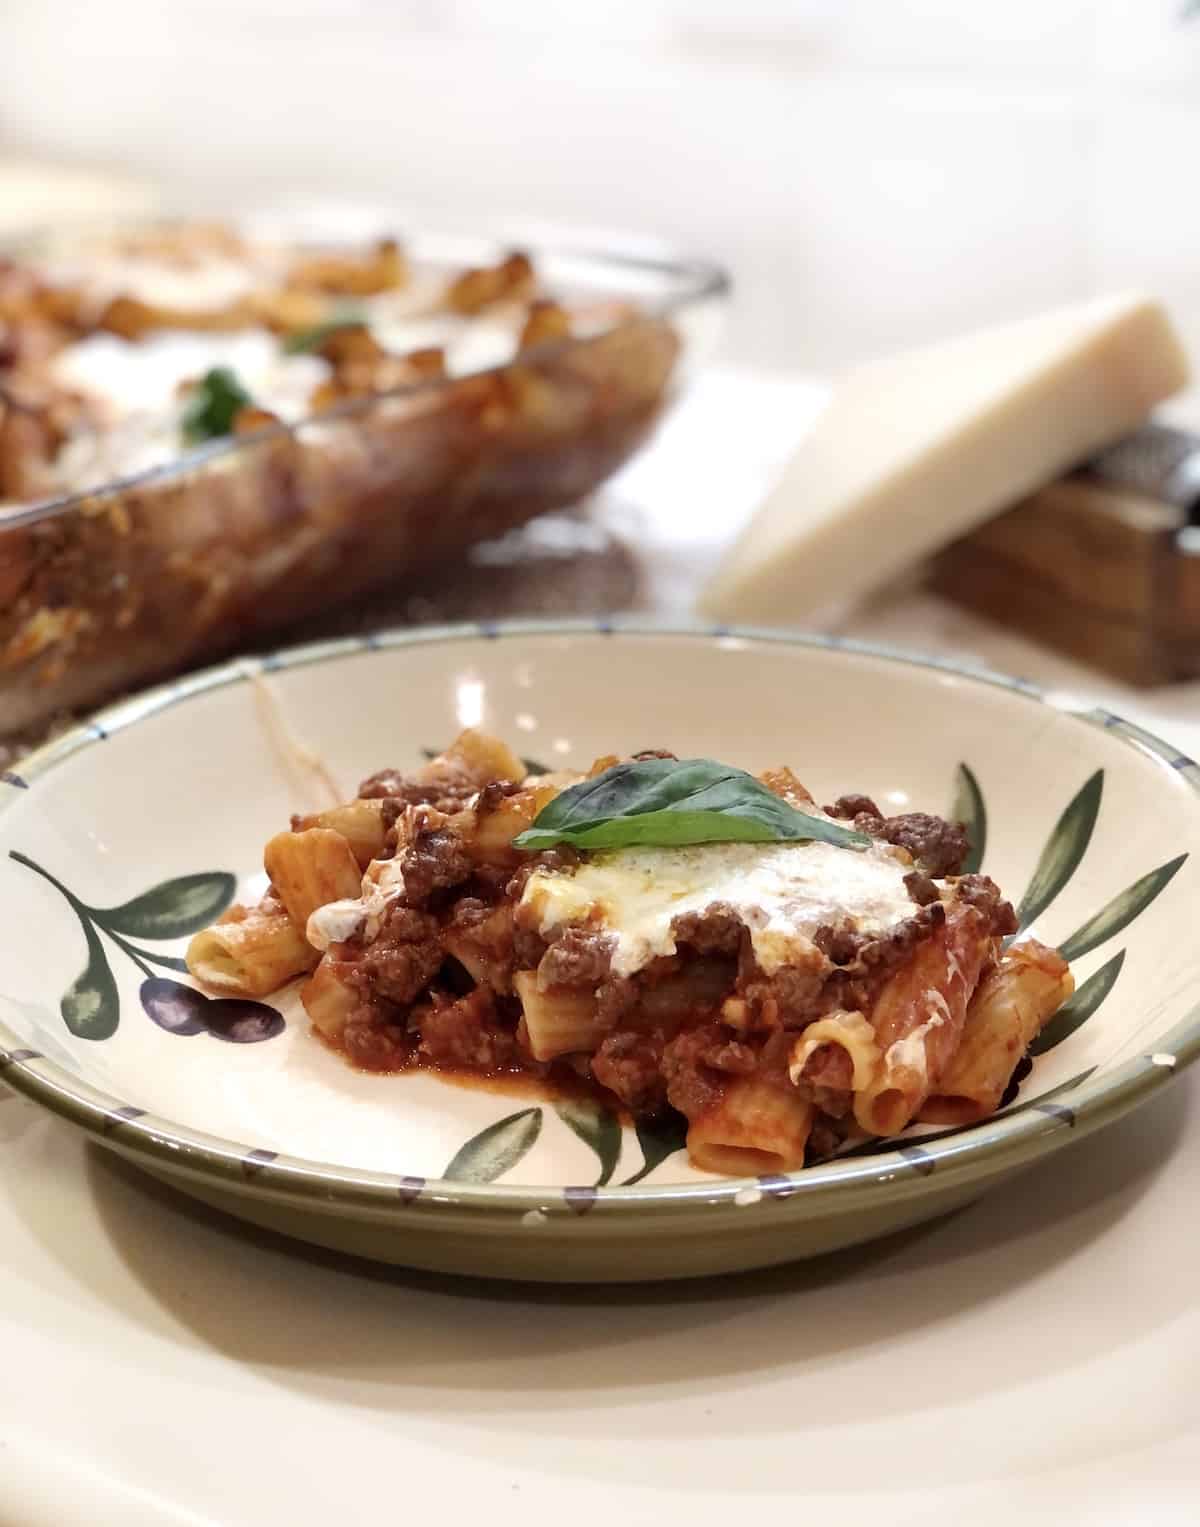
point(874, 171)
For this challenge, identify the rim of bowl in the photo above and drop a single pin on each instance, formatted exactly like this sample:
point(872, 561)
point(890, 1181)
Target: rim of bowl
point(1006, 1138)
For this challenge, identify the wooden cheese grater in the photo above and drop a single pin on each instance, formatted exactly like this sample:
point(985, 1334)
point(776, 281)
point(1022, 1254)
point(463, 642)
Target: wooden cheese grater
point(1103, 564)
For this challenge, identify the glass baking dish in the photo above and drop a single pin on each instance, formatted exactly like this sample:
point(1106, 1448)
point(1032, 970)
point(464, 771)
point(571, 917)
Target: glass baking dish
point(139, 577)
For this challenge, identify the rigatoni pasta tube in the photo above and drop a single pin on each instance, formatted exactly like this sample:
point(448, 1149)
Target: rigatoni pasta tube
point(479, 756)
point(557, 1022)
point(250, 953)
point(484, 949)
point(918, 1020)
point(755, 1126)
point(327, 1000)
point(360, 822)
point(850, 1032)
point(497, 823)
point(1010, 1007)
point(310, 869)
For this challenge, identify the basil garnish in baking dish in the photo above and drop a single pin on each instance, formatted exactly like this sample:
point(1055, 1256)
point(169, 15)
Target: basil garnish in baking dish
point(214, 404)
point(302, 341)
point(665, 802)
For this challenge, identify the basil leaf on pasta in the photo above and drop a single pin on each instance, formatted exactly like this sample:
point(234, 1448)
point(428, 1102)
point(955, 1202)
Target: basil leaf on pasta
point(666, 802)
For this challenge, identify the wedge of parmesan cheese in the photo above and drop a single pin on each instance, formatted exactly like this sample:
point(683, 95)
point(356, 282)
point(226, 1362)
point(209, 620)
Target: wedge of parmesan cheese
point(915, 450)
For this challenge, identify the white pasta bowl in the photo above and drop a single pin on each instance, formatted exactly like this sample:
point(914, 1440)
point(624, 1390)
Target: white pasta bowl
point(125, 835)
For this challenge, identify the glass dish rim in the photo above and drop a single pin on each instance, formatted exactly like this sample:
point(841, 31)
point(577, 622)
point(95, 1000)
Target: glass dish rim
point(697, 279)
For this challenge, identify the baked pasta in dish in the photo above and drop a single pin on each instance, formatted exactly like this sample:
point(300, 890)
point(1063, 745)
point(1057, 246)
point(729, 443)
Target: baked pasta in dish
point(674, 932)
point(119, 352)
point(206, 437)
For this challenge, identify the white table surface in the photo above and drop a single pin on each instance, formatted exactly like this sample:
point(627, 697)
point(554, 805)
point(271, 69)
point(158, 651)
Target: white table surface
point(1036, 1357)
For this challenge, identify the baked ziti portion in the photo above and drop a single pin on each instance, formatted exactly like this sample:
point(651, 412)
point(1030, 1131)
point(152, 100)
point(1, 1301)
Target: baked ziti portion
point(676, 933)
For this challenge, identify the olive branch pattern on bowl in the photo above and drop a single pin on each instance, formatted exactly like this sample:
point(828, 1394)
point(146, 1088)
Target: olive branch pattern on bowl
point(90, 1007)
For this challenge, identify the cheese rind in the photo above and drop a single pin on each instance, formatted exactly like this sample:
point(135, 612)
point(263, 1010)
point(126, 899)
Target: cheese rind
point(915, 450)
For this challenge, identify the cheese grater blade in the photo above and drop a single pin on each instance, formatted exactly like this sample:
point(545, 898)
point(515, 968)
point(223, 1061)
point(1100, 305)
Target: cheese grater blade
point(1157, 462)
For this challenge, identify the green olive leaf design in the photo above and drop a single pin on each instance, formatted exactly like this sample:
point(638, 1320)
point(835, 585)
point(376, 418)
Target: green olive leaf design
point(1075, 1012)
point(164, 961)
point(1064, 850)
point(173, 908)
point(532, 766)
point(969, 809)
point(90, 1006)
point(496, 1149)
point(658, 1138)
point(1120, 911)
point(598, 1128)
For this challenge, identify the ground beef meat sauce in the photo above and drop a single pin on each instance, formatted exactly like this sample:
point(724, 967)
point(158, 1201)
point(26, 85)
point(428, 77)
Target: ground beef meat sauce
point(376, 1036)
point(984, 894)
point(419, 1004)
point(716, 930)
point(921, 888)
point(630, 1066)
point(846, 969)
point(579, 957)
point(436, 981)
point(465, 1033)
point(434, 861)
point(405, 956)
point(938, 847)
point(452, 787)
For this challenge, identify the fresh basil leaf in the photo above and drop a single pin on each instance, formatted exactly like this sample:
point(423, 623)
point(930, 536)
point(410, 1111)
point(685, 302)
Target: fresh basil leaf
point(303, 341)
point(216, 400)
point(667, 802)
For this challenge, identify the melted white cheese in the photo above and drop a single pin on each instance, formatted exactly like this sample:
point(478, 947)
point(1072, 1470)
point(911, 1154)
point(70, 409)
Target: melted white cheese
point(334, 923)
point(337, 921)
point(910, 1053)
point(782, 892)
point(143, 377)
point(138, 389)
point(206, 283)
point(135, 385)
